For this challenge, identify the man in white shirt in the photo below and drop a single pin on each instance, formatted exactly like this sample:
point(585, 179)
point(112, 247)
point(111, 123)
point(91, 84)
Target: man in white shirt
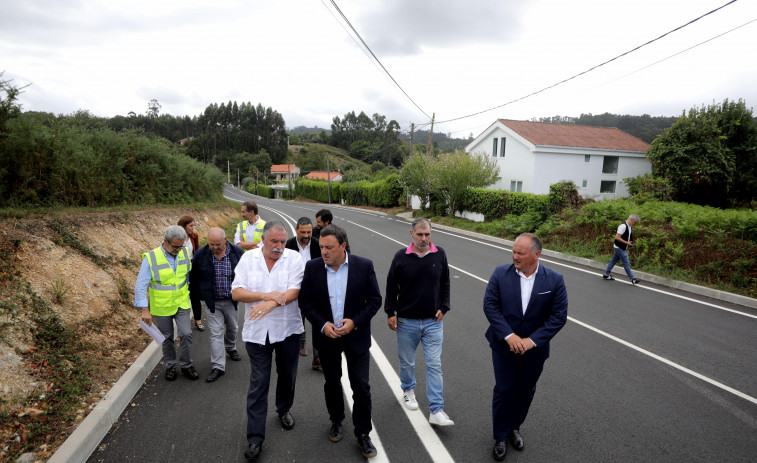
point(268, 282)
point(308, 248)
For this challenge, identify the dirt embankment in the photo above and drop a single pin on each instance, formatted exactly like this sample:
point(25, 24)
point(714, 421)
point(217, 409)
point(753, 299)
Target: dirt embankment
point(80, 268)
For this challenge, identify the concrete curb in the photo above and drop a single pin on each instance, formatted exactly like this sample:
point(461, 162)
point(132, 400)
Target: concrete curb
point(692, 288)
point(87, 436)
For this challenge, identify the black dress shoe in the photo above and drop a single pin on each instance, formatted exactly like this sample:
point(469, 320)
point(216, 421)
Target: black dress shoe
point(336, 432)
point(171, 374)
point(516, 440)
point(190, 373)
point(215, 373)
point(500, 450)
point(287, 421)
point(234, 355)
point(253, 451)
point(366, 446)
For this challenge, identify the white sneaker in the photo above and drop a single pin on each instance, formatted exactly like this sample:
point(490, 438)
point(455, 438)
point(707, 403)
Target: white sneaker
point(440, 419)
point(410, 402)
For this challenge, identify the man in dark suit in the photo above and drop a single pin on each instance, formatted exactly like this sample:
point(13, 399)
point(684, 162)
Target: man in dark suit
point(308, 248)
point(526, 304)
point(342, 324)
point(211, 277)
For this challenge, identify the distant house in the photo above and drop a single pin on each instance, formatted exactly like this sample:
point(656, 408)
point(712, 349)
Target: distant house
point(282, 171)
point(320, 175)
point(533, 155)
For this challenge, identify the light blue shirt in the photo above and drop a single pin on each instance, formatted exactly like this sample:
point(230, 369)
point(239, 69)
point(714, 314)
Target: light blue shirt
point(336, 281)
point(144, 278)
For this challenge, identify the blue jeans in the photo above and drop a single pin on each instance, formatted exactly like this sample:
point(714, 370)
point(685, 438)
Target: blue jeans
point(430, 333)
point(622, 256)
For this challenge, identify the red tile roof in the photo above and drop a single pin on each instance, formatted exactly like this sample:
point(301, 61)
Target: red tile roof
point(577, 136)
point(315, 175)
point(283, 168)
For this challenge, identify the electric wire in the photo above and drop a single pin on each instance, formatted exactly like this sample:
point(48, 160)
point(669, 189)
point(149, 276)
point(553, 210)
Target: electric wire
point(590, 69)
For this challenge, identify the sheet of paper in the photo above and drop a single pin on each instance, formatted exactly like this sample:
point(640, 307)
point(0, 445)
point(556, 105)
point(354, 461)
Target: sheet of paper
point(153, 331)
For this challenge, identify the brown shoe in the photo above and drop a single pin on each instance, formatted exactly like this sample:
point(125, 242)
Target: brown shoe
point(303, 351)
point(316, 365)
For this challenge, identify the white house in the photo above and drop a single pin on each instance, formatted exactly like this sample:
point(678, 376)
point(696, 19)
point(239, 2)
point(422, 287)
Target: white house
point(533, 155)
point(285, 172)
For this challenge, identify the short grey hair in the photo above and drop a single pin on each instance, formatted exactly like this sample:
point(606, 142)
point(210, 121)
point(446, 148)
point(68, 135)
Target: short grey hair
point(271, 224)
point(303, 221)
point(535, 241)
point(176, 232)
point(422, 221)
point(634, 217)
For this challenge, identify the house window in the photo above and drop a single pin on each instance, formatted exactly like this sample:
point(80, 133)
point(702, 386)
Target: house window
point(587, 158)
point(607, 186)
point(502, 151)
point(494, 148)
point(516, 186)
point(584, 184)
point(610, 165)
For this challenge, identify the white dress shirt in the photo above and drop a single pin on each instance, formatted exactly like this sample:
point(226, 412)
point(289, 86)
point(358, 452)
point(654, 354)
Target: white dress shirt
point(252, 274)
point(304, 252)
point(248, 234)
point(526, 287)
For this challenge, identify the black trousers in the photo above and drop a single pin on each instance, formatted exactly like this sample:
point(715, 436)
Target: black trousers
point(287, 356)
point(358, 365)
point(515, 384)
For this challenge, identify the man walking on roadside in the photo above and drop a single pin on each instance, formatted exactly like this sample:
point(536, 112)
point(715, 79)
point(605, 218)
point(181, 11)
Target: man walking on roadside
point(250, 230)
point(417, 298)
point(340, 296)
point(164, 274)
point(268, 281)
point(308, 248)
point(324, 218)
point(526, 305)
point(212, 274)
point(620, 249)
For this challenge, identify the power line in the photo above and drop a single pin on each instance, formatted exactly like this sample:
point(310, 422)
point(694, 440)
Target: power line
point(590, 69)
point(333, 2)
point(680, 52)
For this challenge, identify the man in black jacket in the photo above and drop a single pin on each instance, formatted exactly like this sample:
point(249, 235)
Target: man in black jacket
point(218, 258)
point(308, 247)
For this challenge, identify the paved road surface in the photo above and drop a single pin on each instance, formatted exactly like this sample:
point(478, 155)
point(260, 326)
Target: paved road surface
point(637, 374)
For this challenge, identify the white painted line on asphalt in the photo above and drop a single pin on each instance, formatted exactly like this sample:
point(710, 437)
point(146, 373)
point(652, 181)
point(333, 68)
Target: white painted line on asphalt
point(621, 341)
point(434, 446)
point(667, 362)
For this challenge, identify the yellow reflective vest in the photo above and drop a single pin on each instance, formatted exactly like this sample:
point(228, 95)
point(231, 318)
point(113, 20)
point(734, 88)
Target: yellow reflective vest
point(256, 237)
point(168, 291)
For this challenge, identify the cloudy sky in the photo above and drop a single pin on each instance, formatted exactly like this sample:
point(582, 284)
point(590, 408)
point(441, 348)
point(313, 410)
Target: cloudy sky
point(453, 58)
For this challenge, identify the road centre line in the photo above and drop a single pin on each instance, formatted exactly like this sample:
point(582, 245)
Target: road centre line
point(617, 339)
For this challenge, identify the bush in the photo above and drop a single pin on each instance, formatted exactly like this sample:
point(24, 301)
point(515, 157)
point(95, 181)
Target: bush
point(318, 190)
point(384, 193)
point(646, 188)
point(497, 204)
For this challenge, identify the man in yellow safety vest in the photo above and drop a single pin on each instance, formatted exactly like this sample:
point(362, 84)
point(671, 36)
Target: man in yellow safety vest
point(250, 230)
point(164, 275)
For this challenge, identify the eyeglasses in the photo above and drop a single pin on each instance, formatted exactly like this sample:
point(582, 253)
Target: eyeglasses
point(175, 248)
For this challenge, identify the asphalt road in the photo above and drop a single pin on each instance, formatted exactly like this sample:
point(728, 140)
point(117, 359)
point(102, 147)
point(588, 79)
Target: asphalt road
point(639, 373)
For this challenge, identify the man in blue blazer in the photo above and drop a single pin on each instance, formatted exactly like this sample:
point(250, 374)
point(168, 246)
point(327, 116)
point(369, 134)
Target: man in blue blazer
point(339, 295)
point(526, 304)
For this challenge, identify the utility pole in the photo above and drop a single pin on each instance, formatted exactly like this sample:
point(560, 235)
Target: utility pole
point(228, 172)
point(409, 204)
point(430, 146)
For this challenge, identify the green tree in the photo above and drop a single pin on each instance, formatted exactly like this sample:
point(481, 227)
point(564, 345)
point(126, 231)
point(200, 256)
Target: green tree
point(417, 177)
point(454, 173)
point(710, 155)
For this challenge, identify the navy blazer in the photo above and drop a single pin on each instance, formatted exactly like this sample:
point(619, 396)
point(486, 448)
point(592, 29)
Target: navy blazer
point(202, 277)
point(546, 313)
point(362, 301)
point(315, 247)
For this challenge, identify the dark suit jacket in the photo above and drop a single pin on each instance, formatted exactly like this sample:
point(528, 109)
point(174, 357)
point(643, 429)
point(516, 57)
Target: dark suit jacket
point(315, 248)
point(362, 301)
point(202, 278)
point(545, 315)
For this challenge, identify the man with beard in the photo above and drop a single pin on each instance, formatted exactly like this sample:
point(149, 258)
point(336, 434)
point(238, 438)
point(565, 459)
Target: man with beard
point(165, 275)
point(308, 248)
point(268, 281)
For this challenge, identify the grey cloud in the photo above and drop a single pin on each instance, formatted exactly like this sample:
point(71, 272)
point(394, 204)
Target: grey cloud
point(404, 28)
